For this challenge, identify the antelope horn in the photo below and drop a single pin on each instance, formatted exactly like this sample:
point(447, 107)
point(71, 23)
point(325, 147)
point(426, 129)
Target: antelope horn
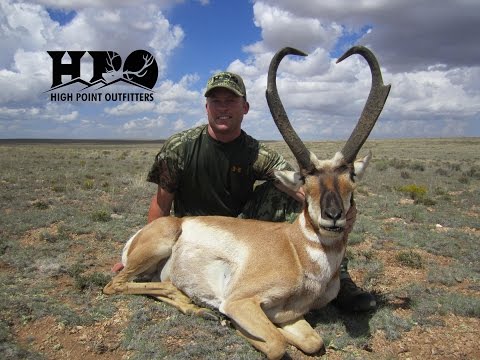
point(297, 147)
point(373, 107)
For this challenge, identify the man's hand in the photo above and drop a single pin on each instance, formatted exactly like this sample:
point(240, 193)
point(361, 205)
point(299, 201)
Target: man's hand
point(298, 195)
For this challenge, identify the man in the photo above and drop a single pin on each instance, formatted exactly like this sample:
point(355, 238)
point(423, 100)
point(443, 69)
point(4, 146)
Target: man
point(212, 169)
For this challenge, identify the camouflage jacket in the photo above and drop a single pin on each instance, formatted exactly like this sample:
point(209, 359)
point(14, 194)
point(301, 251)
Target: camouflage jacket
point(209, 177)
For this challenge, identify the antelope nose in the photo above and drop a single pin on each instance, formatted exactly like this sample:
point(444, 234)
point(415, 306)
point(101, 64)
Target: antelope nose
point(333, 213)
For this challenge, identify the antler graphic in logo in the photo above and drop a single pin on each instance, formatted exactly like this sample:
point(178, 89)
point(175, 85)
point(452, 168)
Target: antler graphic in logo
point(148, 60)
point(139, 68)
point(111, 73)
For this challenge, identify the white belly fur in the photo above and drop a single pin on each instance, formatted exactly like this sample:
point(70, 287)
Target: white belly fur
point(205, 261)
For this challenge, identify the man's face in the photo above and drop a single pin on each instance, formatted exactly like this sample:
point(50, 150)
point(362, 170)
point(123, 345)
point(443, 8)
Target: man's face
point(225, 111)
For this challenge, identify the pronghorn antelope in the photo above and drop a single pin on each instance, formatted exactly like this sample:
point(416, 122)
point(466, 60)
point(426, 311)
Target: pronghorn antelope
point(264, 276)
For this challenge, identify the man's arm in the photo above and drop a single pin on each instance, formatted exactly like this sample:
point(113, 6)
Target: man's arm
point(160, 205)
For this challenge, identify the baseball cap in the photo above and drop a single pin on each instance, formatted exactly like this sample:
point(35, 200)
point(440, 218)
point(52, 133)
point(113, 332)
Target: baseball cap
point(227, 80)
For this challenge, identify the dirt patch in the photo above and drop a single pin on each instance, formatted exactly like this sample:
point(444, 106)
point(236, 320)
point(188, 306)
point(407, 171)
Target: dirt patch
point(57, 341)
point(34, 237)
point(458, 339)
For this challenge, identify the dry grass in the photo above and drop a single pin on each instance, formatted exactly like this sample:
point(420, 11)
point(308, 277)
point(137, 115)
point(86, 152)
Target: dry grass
point(67, 209)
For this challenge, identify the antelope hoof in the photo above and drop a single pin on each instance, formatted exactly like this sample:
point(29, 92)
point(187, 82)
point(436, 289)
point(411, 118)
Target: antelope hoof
point(109, 289)
point(207, 314)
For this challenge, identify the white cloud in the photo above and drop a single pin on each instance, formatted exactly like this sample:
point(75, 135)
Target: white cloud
point(324, 99)
point(285, 28)
point(108, 4)
point(129, 108)
point(145, 127)
point(179, 125)
point(25, 112)
point(23, 26)
point(122, 30)
point(177, 99)
point(27, 79)
point(427, 51)
point(405, 33)
point(68, 117)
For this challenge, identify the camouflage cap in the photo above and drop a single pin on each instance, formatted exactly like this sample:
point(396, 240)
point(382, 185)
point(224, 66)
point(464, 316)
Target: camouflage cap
point(227, 80)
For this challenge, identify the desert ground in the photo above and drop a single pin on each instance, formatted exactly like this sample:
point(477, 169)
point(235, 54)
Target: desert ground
point(67, 209)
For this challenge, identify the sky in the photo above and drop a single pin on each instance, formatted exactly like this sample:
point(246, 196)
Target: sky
point(428, 51)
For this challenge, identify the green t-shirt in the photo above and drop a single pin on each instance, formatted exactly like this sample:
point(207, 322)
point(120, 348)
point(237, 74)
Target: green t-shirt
point(209, 177)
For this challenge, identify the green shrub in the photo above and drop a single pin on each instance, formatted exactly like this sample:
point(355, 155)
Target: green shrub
point(442, 172)
point(398, 164)
point(455, 167)
point(473, 173)
point(392, 325)
point(425, 201)
point(416, 166)
point(448, 276)
point(95, 280)
point(410, 259)
point(441, 191)
point(83, 282)
point(414, 191)
point(428, 302)
point(41, 205)
point(59, 188)
point(76, 269)
point(418, 193)
point(88, 184)
point(355, 238)
point(101, 216)
point(381, 165)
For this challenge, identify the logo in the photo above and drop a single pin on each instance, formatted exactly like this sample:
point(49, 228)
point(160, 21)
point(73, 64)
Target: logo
point(236, 169)
point(139, 71)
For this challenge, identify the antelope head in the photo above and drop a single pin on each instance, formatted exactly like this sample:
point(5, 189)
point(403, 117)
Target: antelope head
point(328, 184)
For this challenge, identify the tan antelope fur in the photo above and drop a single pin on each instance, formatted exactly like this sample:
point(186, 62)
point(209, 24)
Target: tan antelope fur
point(264, 276)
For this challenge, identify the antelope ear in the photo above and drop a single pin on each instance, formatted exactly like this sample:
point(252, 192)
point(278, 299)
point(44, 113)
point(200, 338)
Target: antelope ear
point(360, 166)
point(291, 179)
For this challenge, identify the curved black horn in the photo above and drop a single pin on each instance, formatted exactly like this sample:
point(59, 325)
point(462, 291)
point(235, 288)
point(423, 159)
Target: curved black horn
point(297, 147)
point(373, 107)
